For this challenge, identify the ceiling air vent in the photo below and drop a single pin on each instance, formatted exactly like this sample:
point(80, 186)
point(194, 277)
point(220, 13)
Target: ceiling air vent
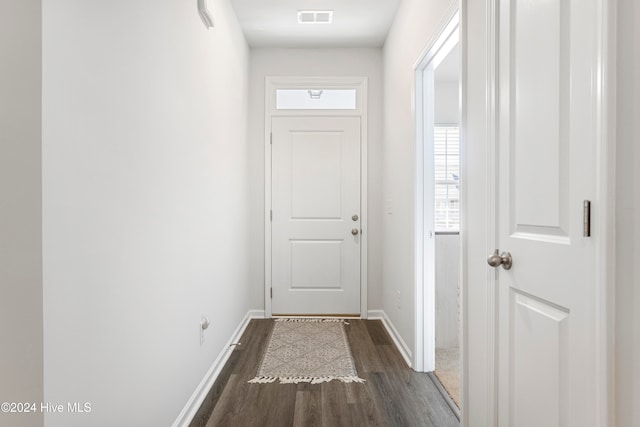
point(315, 16)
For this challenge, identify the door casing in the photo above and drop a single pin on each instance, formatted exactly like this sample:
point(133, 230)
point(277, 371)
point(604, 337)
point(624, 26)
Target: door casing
point(445, 36)
point(273, 83)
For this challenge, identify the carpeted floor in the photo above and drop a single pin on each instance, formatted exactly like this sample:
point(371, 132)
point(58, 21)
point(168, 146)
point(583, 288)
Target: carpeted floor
point(448, 371)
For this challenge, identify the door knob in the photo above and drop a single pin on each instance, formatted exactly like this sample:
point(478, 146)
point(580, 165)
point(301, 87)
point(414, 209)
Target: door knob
point(503, 259)
point(354, 231)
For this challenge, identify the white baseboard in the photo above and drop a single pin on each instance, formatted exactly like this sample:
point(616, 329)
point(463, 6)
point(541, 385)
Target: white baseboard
point(393, 333)
point(191, 408)
point(256, 314)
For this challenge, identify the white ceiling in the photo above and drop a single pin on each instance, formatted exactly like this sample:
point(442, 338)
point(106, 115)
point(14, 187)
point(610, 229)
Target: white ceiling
point(356, 23)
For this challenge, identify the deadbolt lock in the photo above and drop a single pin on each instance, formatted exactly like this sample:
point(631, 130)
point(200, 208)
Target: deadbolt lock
point(355, 217)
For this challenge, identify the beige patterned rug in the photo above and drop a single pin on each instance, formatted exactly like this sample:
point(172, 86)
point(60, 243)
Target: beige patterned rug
point(307, 351)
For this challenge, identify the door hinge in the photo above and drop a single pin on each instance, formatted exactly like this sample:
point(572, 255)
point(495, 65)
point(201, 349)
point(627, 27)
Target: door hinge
point(586, 218)
point(271, 215)
point(271, 138)
point(271, 292)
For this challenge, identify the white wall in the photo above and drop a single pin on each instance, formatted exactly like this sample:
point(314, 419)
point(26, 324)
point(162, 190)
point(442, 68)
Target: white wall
point(447, 277)
point(627, 359)
point(145, 203)
point(317, 62)
point(413, 27)
point(447, 102)
point(20, 208)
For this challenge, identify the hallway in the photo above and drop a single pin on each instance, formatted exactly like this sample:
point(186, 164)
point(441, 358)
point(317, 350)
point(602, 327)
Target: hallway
point(393, 394)
point(134, 211)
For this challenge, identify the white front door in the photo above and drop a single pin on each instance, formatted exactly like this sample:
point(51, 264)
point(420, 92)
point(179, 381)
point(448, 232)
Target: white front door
point(316, 215)
point(546, 358)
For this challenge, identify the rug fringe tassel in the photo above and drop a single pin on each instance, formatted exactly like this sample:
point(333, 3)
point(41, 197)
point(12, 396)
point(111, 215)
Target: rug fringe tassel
point(309, 319)
point(262, 380)
point(311, 380)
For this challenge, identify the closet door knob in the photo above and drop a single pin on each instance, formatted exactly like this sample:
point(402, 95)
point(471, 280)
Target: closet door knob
point(503, 259)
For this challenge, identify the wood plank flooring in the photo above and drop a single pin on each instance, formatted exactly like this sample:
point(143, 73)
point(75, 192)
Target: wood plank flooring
point(393, 395)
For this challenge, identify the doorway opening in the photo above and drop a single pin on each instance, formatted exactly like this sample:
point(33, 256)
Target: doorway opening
point(316, 196)
point(438, 298)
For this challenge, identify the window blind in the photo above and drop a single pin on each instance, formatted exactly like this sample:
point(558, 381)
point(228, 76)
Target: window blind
point(447, 174)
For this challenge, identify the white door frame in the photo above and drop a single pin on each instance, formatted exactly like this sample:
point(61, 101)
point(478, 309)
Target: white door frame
point(482, 345)
point(446, 35)
point(272, 83)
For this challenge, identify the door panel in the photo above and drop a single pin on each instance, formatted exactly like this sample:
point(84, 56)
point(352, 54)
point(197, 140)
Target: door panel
point(538, 376)
point(315, 193)
point(316, 184)
point(316, 264)
point(539, 118)
point(546, 168)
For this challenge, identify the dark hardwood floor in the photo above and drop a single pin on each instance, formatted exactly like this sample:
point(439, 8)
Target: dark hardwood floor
point(393, 395)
